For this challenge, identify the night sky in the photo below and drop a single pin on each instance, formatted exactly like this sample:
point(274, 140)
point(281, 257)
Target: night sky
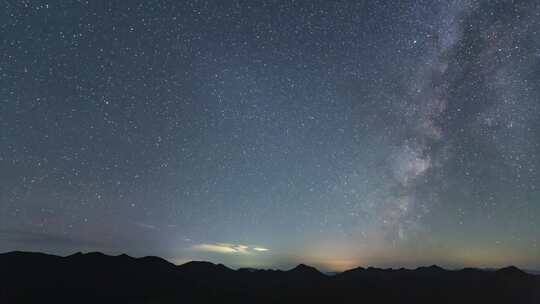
point(268, 133)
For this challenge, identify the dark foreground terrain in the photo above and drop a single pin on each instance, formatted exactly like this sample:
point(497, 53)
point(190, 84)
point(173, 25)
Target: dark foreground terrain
point(98, 278)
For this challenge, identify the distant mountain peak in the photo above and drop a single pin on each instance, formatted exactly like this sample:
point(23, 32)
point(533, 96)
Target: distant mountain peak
point(354, 270)
point(303, 268)
point(431, 268)
point(198, 263)
point(203, 266)
point(151, 258)
point(511, 270)
point(87, 254)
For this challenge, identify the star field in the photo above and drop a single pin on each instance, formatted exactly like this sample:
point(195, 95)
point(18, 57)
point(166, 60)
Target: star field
point(264, 134)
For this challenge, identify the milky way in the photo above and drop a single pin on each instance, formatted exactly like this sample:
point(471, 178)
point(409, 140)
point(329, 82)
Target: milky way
point(265, 134)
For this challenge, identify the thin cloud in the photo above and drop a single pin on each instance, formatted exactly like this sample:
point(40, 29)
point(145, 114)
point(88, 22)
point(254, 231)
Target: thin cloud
point(227, 248)
point(261, 249)
point(145, 226)
point(217, 248)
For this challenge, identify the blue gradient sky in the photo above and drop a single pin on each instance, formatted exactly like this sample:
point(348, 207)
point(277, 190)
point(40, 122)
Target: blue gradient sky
point(257, 133)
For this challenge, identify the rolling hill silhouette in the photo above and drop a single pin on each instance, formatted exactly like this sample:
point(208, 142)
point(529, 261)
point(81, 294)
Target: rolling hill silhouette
point(99, 278)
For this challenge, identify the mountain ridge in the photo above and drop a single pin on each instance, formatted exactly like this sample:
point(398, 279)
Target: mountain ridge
point(299, 267)
point(30, 277)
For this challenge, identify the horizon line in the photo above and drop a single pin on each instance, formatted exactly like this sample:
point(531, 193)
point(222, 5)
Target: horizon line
point(365, 267)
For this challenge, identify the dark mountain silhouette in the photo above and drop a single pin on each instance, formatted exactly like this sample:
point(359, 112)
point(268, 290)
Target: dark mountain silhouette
point(201, 267)
point(511, 271)
point(99, 278)
point(305, 270)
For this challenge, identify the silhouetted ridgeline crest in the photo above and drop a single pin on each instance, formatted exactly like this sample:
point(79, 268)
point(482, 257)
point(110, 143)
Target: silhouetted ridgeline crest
point(99, 278)
point(304, 269)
